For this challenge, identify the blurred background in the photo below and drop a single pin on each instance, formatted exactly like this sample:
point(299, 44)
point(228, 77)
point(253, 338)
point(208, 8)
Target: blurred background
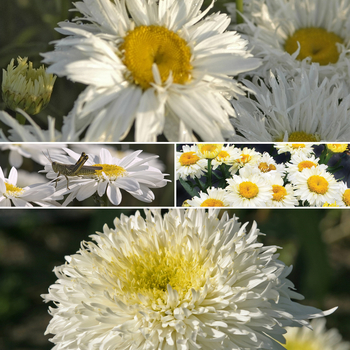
point(315, 241)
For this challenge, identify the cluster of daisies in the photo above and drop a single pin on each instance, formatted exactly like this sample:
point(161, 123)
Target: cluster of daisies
point(177, 69)
point(101, 174)
point(187, 280)
point(218, 175)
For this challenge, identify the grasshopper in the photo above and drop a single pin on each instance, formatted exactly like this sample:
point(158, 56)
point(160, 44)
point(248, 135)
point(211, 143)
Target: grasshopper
point(73, 169)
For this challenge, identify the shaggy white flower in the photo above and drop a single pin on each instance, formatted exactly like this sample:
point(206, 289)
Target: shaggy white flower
point(299, 110)
point(267, 165)
point(297, 34)
point(39, 194)
point(216, 197)
point(187, 280)
point(295, 148)
point(244, 157)
point(162, 64)
point(130, 173)
point(189, 163)
point(316, 338)
point(227, 155)
point(282, 195)
point(316, 186)
point(248, 189)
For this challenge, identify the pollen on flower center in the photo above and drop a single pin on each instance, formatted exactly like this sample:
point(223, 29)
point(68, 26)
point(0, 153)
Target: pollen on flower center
point(149, 273)
point(248, 189)
point(279, 192)
point(300, 136)
point(306, 164)
point(292, 344)
point(346, 197)
point(245, 158)
point(12, 190)
point(317, 184)
point(316, 43)
point(222, 155)
point(111, 171)
point(211, 202)
point(188, 158)
point(146, 45)
point(265, 168)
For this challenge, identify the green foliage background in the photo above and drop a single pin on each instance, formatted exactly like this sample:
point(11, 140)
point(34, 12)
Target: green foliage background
point(315, 241)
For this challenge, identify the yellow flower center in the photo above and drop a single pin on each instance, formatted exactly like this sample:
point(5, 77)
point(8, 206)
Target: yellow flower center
point(12, 190)
point(317, 184)
point(346, 197)
point(330, 205)
point(301, 345)
point(188, 158)
point(222, 156)
point(279, 192)
point(112, 171)
point(245, 158)
point(300, 136)
point(146, 45)
point(316, 43)
point(211, 202)
point(337, 147)
point(306, 164)
point(265, 168)
point(209, 150)
point(148, 273)
point(248, 189)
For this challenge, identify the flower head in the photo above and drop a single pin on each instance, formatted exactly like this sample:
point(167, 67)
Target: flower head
point(25, 87)
point(209, 150)
point(216, 197)
point(162, 64)
point(337, 147)
point(184, 280)
point(189, 163)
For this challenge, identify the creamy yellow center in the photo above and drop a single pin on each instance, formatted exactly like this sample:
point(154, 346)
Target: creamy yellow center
point(111, 171)
point(337, 147)
point(188, 158)
point(248, 189)
point(265, 168)
point(211, 202)
point(148, 45)
point(346, 197)
point(316, 43)
point(300, 136)
point(306, 164)
point(12, 190)
point(279, 192)
point(223, 155)
point(317, 184)
point(245, 158)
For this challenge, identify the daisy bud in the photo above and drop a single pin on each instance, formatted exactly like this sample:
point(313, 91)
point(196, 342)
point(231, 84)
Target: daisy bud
point(25, 87)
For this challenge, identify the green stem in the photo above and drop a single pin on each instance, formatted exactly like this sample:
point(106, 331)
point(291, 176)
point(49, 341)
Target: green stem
point(209, 173)
point(239, 8)
point(20, 118)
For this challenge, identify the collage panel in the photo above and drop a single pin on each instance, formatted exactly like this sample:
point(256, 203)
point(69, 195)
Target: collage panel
point(278, 175)
point(88, 175)
point(110, 277)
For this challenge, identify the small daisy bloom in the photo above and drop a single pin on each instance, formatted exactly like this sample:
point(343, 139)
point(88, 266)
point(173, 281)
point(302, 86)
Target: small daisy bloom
point(316, 186)
point(165, 65)
point(248, 189)
point(216, 197)
point(295, 148)
point(188, 280)
point(267, 165)
point(344, 194)
point(189, 163)
point(282, 195)
point(244, 157)
point(318, 337)
point(130, 173)
point(297, 34)
point(209, 150)
point(39, 193)
point(299, 162)
point(337, 147)
point(227, 155)
point(303, 109)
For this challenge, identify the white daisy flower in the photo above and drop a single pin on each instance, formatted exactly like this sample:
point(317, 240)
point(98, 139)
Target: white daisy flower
point(316, 186)
point(299, 110)
point(305, 149)
point(344, 195)
point(299, 161)
point(244, 157)
point(267, 165)
point(162, 64)
point(282, 195)
point(130, 173)
point(189, 163)
point(227, 155)
point(297, 34)
point(39, 193)
point(316, 338)
point(209, 150)
point(248, 189)
point(187, 280)
point(216, 197)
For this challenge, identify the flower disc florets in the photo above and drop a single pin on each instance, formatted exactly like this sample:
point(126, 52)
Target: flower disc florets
point(176, 282)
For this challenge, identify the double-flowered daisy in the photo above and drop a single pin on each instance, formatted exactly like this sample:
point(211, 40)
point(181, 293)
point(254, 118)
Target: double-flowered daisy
point(39, 193)
point(295, 148)
point(293, 34)
point(303, 109)
point(244, 157)
point(267, 165)
point(316, 186)
point(189, 163)
point(164, 65)
point(188, 280)
point(215, 197)
point(131, 174)
point(281, 195)
point(227, 155)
